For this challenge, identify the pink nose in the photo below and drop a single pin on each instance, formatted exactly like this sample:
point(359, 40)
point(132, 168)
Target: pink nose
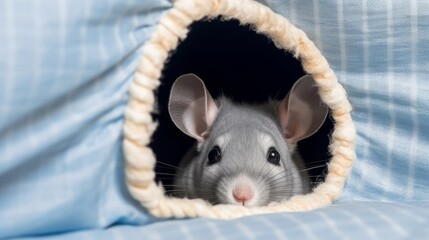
point(242, 193)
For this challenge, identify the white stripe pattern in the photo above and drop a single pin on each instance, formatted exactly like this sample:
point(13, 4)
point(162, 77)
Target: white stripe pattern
point(60, 132)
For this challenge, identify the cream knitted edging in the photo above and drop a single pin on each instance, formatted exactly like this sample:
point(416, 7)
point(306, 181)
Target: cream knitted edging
point(139, 126)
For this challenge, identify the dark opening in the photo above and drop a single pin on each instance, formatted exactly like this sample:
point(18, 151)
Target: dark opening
point(244, 65)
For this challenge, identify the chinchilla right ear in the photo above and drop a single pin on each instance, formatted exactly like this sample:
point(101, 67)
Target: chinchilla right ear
point(191, 106)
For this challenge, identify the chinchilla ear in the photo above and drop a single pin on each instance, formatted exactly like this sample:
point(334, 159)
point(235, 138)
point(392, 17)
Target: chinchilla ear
point(301, 113)
point(191, 106)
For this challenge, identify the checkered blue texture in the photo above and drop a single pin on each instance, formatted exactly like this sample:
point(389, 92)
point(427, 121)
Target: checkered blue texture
point(65, 67)
point(348, 220)
point(380, 53)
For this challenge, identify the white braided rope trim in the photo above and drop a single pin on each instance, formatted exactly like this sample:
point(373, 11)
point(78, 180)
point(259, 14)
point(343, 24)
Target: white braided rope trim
point(139, 126)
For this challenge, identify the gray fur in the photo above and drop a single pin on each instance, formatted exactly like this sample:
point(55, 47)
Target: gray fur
point(243, 154)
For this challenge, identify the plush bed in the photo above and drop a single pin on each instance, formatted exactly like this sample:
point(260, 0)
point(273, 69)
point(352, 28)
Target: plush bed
point(66, 68)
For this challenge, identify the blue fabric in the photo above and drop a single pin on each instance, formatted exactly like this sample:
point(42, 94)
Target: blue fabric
point(379, 51)
point(347, 220)
point(65, 67)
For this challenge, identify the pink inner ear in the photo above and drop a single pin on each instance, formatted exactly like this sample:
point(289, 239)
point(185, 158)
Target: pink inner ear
point(192, 120)
point(191, 106)
point(211, 110)
point(301, 112)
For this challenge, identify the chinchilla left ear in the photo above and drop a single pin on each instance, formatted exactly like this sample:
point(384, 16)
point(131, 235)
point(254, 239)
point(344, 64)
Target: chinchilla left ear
point(301, 113)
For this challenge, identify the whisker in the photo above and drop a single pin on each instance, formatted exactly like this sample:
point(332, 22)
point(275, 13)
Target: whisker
point(278, 174)
point(310, 168)
point(208, 181)
point(319, 161)
point(260, 179)
point(324, 154)
point(167, 174)
point(169, 165)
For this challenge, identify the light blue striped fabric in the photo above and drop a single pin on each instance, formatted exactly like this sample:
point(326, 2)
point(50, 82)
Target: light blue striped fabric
point(65, 67)
point(380, 53)
point(347, 220)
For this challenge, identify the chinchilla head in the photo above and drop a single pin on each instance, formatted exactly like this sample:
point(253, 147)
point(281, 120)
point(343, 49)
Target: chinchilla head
point(245, 153)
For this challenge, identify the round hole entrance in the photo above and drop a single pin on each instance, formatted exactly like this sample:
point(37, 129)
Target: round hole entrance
point(243, 65)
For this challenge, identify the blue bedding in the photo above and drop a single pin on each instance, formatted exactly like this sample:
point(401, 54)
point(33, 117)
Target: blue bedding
point(65, 67)
point(344, 220)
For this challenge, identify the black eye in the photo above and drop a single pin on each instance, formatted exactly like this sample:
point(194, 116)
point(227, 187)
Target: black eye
point(273, 156)
point(214, 155)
